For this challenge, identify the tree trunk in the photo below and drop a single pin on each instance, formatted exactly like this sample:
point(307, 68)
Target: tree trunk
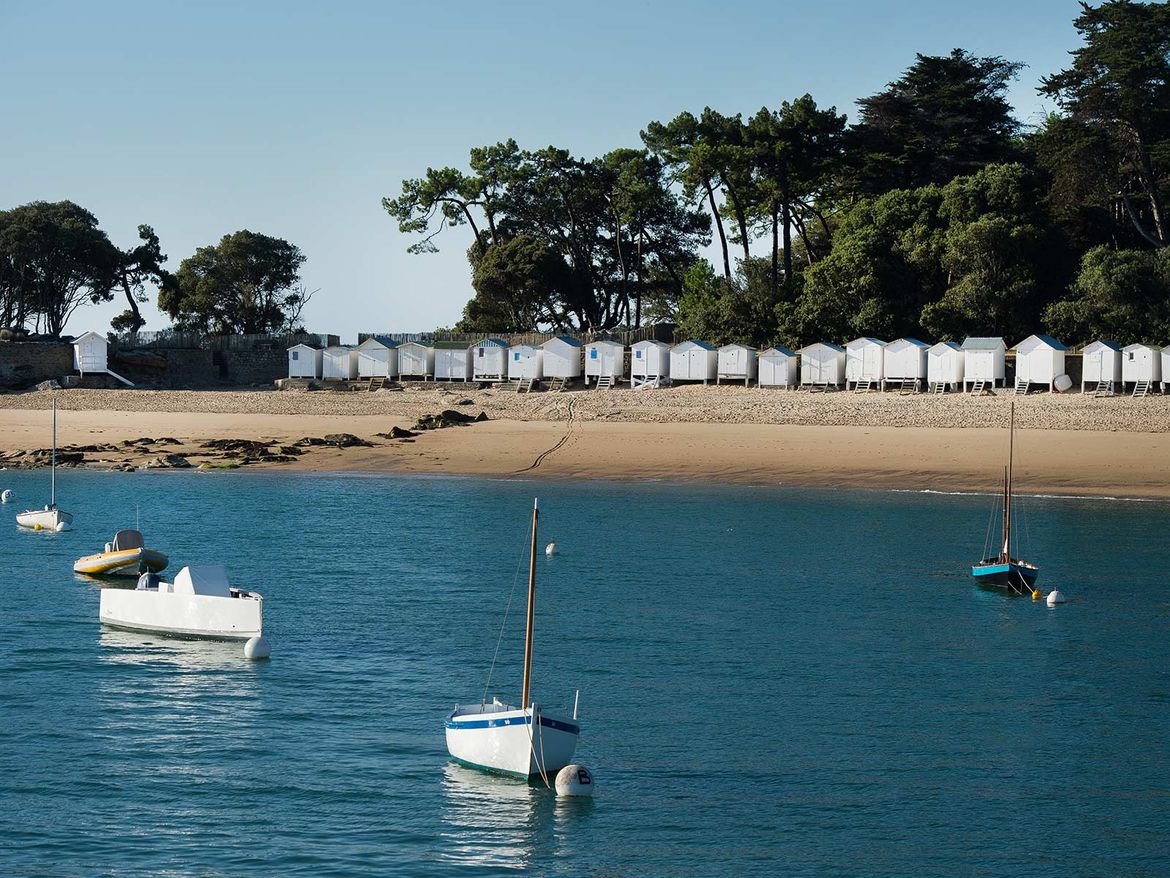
point(741, 221)
point(787, 209)
point(775, 250)
point(638, 307)
point(138, 322)
point(719, 226)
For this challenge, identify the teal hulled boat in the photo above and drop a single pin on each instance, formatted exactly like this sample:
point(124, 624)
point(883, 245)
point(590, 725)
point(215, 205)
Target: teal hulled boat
point(1002, 571)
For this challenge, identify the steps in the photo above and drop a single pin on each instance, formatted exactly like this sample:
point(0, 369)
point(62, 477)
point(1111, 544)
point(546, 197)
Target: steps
point(524, 385)
point(557, 385)
point(1022, 385)
point(906, 385)
point(1104, 388)
point(862, 386)
point(979, 387)
point(376, 384)
point(604, 381)
point(937, 387)
point(1141, 388)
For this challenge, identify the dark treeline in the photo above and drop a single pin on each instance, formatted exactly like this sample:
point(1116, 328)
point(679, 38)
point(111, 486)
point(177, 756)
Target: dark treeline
point(54, 258)
point(934, 214)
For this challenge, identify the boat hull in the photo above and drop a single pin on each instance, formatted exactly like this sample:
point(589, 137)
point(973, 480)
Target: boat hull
point(182, 615)
point(43, 519)
point(125, 563)
point(1009, 576)
point(512, 742)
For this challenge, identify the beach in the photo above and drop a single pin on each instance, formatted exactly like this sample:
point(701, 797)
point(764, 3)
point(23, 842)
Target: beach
point(1068, 445)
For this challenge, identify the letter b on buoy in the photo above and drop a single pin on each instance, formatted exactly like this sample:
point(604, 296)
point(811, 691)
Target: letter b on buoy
point(574, 780)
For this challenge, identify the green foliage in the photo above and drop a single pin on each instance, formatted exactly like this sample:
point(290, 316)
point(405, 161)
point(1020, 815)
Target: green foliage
point(1117, 92)
point(945, 116)
point(1120, 295)
point(136, 267)
point(967, 258)
point(247, 283)
point(722, 311)
point(53, 259)
point(519, 283)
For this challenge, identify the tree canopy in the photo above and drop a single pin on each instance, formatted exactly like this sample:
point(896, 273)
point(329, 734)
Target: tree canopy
point(247, 283)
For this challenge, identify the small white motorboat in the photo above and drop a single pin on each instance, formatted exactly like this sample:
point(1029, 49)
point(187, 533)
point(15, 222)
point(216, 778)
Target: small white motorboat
point(50, 518)
point(201, 602)
point(126, 555)
point(526, 742)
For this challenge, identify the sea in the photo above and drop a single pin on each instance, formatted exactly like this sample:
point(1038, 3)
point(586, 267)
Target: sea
point(772, 681)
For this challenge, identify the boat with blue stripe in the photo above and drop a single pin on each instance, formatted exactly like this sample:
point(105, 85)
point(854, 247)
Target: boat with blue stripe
point(1004, 571)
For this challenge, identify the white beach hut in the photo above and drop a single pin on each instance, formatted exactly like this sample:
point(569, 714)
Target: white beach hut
point(944, 366)
point(525, 361)
point(562, 357)
point(736, 362)
point(1166, 368)
point(649, 362)
point(604, 362)
point(416, 360)
point(452, 361)
point(693, 360)
point(904, 362)
point(90, 353)
point(1039, 359)
point(864, 361)
point(489, 360)
point(377, 357)
point(984, 363)
point(778, 367)
point(304, 361)
point(1141, 366)
point(1101, 366)
point(822, 365)
point(340, 361)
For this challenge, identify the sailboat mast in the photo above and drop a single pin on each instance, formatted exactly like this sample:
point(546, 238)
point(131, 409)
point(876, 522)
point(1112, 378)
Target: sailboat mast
point(1007, 494)
point(531, 608)
point(53, 462)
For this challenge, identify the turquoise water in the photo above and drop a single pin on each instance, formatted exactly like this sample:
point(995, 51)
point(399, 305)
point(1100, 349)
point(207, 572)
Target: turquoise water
point(772, 682)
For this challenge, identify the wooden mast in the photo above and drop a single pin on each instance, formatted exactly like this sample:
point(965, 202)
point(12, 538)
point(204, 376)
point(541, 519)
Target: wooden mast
point(531, 608)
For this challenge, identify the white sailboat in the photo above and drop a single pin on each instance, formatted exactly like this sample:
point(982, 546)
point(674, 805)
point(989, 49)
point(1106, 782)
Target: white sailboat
point(526, 742)
point(49, 518)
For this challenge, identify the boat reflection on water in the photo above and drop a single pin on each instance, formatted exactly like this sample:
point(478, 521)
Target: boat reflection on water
point(490, 820)
point(133, 648)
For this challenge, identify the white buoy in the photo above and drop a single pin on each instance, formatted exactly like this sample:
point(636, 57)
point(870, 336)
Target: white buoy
point(550, 549)
point(257, 647)
point(6, 496)
point(574, 780)
point(63, 526)
point(1054, 598)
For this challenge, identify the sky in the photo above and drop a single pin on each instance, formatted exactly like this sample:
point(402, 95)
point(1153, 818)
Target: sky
point(294, 118)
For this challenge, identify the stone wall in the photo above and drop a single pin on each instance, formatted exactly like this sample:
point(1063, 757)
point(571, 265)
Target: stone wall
point(26, 363)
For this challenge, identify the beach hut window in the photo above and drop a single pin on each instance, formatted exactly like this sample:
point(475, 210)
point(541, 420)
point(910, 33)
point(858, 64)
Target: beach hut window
point(516, 357)
point(480, 351)
point(1131, 355)
point(296, 355)
point(638, 354)
point(593, 354)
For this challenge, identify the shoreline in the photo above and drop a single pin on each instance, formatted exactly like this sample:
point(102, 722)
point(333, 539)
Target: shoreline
point(1124, 464)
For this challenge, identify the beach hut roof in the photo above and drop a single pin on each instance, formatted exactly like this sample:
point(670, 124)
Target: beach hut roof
point(866, 338)
point(491, 342)
point(946, 344)
point(913, 341)
point(303, 344)
point(1103, 343)
point(650, 341)
point(989, 343)
point(610, 342)
point(451, 345)
point(1046, 340)
point(386, 341)
point(1136, 345)
point(822, 344)
point(567, 339)
point(698, 343)
point(86, 335)
point(342, 347)
point(736, 344)
point(780, 349)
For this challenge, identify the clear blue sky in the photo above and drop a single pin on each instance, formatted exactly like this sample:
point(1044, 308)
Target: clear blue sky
point(295, 118)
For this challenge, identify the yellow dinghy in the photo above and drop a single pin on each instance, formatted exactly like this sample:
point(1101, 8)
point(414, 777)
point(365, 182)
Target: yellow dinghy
point(125, 556)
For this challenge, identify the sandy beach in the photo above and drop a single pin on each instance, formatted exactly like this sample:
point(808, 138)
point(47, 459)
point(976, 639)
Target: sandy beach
point(1069, 445)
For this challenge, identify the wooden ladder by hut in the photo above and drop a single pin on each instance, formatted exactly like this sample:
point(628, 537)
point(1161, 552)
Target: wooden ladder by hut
point(556, 385)
point(1141, 388)
point(376, 384)
point(1022, 385)
point(907, 385)
point(605, 381)
point(1104, 388)
point(938, 387)
point(863, 386)
point(524, 385)
point(978, 387)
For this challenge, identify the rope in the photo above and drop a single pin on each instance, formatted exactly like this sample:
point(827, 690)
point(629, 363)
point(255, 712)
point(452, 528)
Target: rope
point(540, 761)
point(990, 525)
point(516, 578)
